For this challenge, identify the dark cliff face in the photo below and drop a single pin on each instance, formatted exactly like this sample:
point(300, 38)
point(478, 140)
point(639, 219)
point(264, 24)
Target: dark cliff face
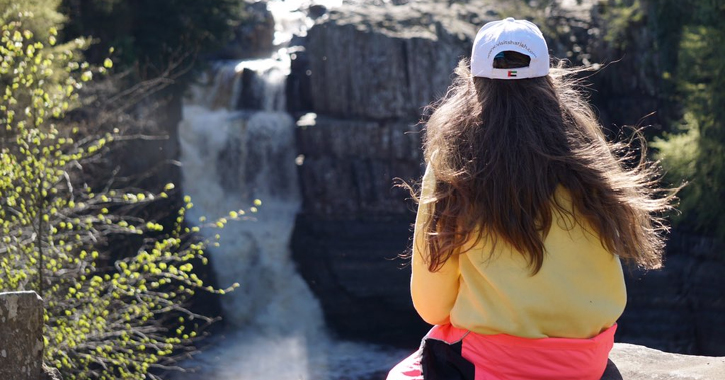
point(373, 66)
point(367, 75)
point(681, 307)
point(629, 88)
point(368, 85)
point(354, 224)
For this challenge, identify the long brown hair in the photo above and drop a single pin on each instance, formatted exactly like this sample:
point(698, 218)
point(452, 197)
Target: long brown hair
point(500, 148)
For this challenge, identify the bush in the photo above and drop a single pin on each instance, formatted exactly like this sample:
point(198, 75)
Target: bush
point(150, 34)
point(696, 151)
point(106, 317)
point(44, 15)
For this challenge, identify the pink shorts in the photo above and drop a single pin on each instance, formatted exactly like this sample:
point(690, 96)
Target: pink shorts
point(451, 353)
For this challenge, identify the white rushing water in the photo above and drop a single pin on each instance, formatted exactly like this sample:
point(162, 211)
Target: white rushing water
point(232, 156)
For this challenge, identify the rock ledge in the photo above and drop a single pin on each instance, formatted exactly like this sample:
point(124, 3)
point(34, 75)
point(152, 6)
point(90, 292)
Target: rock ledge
point(641, 363)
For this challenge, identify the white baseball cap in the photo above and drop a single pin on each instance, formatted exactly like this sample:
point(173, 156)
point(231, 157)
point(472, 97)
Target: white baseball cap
point(521, 36)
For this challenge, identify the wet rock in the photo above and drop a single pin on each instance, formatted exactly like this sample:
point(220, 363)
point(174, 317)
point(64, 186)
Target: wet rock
point(254, 36)
point(316, 11)
point(21, 334)
point(297, 91)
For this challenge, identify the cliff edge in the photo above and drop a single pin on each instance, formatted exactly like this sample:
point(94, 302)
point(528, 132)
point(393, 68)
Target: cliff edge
point(632, 362)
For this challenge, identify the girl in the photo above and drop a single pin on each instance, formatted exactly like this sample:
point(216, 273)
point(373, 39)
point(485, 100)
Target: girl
point(524, 213)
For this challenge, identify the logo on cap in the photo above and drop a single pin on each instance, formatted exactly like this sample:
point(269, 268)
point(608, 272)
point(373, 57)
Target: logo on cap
point(518, 36)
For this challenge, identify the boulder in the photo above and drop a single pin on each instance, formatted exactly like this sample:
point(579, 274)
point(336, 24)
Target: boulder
point(253, 36)
point(21, 336)
point(633, 362)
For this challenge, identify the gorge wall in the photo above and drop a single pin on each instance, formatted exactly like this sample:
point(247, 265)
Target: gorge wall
point(371, 73)
point(365, 76)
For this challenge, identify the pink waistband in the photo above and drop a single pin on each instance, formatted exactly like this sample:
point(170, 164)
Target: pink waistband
point(450, 334)
point(506, 357)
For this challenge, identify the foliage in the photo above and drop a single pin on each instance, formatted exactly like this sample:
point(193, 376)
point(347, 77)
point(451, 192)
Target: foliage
point(153, 33)
point(106, 317)
point(699, 77)
point(45, 15)
point(619, 17)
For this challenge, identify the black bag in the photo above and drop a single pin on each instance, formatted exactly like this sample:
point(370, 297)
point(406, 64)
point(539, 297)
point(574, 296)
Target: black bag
point(443, 361)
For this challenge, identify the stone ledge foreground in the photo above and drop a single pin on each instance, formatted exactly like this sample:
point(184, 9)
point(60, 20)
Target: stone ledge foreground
point(641, 363)
point(21, 350)
point(21, 336)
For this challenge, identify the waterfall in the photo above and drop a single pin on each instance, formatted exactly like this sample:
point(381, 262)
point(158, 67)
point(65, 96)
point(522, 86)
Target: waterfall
point(237, 146)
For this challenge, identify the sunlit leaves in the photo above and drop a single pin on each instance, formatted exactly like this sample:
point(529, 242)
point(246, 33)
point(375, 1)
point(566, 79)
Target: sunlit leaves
point(106, 317)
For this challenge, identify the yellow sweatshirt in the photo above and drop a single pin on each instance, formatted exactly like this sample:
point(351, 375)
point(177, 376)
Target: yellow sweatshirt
point(578, 293)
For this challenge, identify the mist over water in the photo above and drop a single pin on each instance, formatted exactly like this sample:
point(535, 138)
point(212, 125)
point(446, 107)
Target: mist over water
point(238, 145)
